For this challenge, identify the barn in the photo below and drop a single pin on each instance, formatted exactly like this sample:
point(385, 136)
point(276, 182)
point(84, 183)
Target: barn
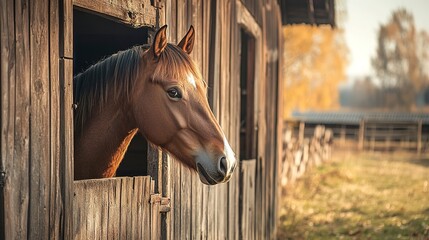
point(44, 43)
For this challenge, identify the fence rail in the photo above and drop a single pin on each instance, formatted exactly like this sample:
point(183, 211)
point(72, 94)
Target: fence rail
point(374, 135)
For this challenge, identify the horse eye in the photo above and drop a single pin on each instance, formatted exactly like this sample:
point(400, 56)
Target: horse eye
point(174, 93)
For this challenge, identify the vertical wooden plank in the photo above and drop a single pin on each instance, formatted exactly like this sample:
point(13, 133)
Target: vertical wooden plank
point(185, 205)
point(195, 207)
point(155, 216)
point(171, 20)
point(56, 204)
point(105, 207)
point(146, 209)
point(39, 121)
point(81, 210)
point(18, 170)
point(175, 199)
point(166, 218)
point(66, 29)
point(154, 165)
point(136, 202)
point(361, 134)
point(127, 193)
point(14, 52)
point(114, 211)
point(181, 16)
point(246, 207)
point(91, 209)
point(419, 137)
point(66, 144)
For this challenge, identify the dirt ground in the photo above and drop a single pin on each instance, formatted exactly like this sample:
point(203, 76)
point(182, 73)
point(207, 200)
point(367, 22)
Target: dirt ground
point(360, 196)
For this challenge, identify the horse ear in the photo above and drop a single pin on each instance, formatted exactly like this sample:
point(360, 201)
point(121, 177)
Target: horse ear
point(160, 41)
point(187, 43)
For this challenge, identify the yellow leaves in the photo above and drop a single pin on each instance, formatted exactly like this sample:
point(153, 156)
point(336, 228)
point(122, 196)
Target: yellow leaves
point(314, 64)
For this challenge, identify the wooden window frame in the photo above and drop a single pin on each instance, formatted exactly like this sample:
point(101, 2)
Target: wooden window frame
point(246, 22)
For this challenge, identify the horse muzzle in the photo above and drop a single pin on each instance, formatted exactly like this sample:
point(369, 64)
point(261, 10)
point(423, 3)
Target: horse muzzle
point(213, 172)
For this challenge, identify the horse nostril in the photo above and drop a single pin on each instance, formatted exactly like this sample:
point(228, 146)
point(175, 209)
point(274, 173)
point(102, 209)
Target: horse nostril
point(223, 166)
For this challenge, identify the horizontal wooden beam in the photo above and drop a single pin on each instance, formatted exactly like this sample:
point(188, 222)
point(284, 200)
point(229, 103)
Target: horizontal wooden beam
point(132, 12)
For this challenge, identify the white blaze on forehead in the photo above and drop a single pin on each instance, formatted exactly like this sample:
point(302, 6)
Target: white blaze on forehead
point(191, 80)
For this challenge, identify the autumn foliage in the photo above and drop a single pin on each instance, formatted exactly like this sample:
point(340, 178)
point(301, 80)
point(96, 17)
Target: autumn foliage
point(315, 61)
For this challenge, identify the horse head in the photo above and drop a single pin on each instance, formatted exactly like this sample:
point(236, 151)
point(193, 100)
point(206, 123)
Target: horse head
point(171, 109)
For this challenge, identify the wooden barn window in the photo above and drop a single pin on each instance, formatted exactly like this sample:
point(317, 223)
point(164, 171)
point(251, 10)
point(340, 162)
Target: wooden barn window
point(248, 149)
point(96, 37)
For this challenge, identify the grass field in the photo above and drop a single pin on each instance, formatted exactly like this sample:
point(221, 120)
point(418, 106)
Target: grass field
point(360, 196)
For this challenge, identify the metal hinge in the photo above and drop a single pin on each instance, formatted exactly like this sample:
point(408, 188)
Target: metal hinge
point(164, 202)
point(158, 3)
point(2, 178)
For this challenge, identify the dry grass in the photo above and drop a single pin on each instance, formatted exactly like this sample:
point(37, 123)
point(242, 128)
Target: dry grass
point(360, 196)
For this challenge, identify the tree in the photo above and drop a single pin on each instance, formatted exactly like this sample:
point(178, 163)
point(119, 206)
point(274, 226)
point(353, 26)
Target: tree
point(315, 61)
point(398, 61)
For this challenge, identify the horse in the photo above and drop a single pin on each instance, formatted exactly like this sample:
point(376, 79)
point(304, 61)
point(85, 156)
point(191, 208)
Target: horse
point(158, 91)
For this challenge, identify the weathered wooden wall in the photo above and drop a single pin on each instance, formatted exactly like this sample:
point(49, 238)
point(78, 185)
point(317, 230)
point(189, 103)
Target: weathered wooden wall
point(200, 211)
point(36, 140)
point(213, 212)
point(36, 120)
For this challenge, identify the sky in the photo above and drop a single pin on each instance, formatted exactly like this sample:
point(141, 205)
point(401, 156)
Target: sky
point(362, 22)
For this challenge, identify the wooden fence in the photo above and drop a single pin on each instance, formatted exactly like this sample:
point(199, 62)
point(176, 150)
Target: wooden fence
point(300, 153)
point(388, 136)
point(374, 135)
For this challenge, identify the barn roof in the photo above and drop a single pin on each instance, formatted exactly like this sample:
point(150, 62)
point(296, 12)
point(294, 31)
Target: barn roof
point(356, 117)
point(315, 12)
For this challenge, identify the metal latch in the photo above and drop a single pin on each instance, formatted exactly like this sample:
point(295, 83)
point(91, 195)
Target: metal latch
point(164, 202)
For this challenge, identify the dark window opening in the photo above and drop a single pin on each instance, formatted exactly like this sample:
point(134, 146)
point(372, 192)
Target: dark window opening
point(248, 145)
point(212, 52)
point(95, 38)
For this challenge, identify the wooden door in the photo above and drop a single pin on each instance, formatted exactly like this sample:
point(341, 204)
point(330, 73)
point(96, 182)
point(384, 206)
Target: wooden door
point(117, 208)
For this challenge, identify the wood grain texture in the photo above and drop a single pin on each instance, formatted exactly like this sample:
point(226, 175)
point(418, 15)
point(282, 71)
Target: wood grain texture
point(116, 208)
point(37, 144)
point(37, 130)
point(218, 23)
point(66, 136)
point(14, 123)
point(66, 28)
point(34, 207)
point(55, 199)
point(133, 12)
point(39, 121)
point(248, 219)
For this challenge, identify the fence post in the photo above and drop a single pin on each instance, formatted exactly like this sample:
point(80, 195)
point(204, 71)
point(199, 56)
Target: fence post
point(361, 134)
point(419, 136)
point(301, 132)
point(343, 135)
